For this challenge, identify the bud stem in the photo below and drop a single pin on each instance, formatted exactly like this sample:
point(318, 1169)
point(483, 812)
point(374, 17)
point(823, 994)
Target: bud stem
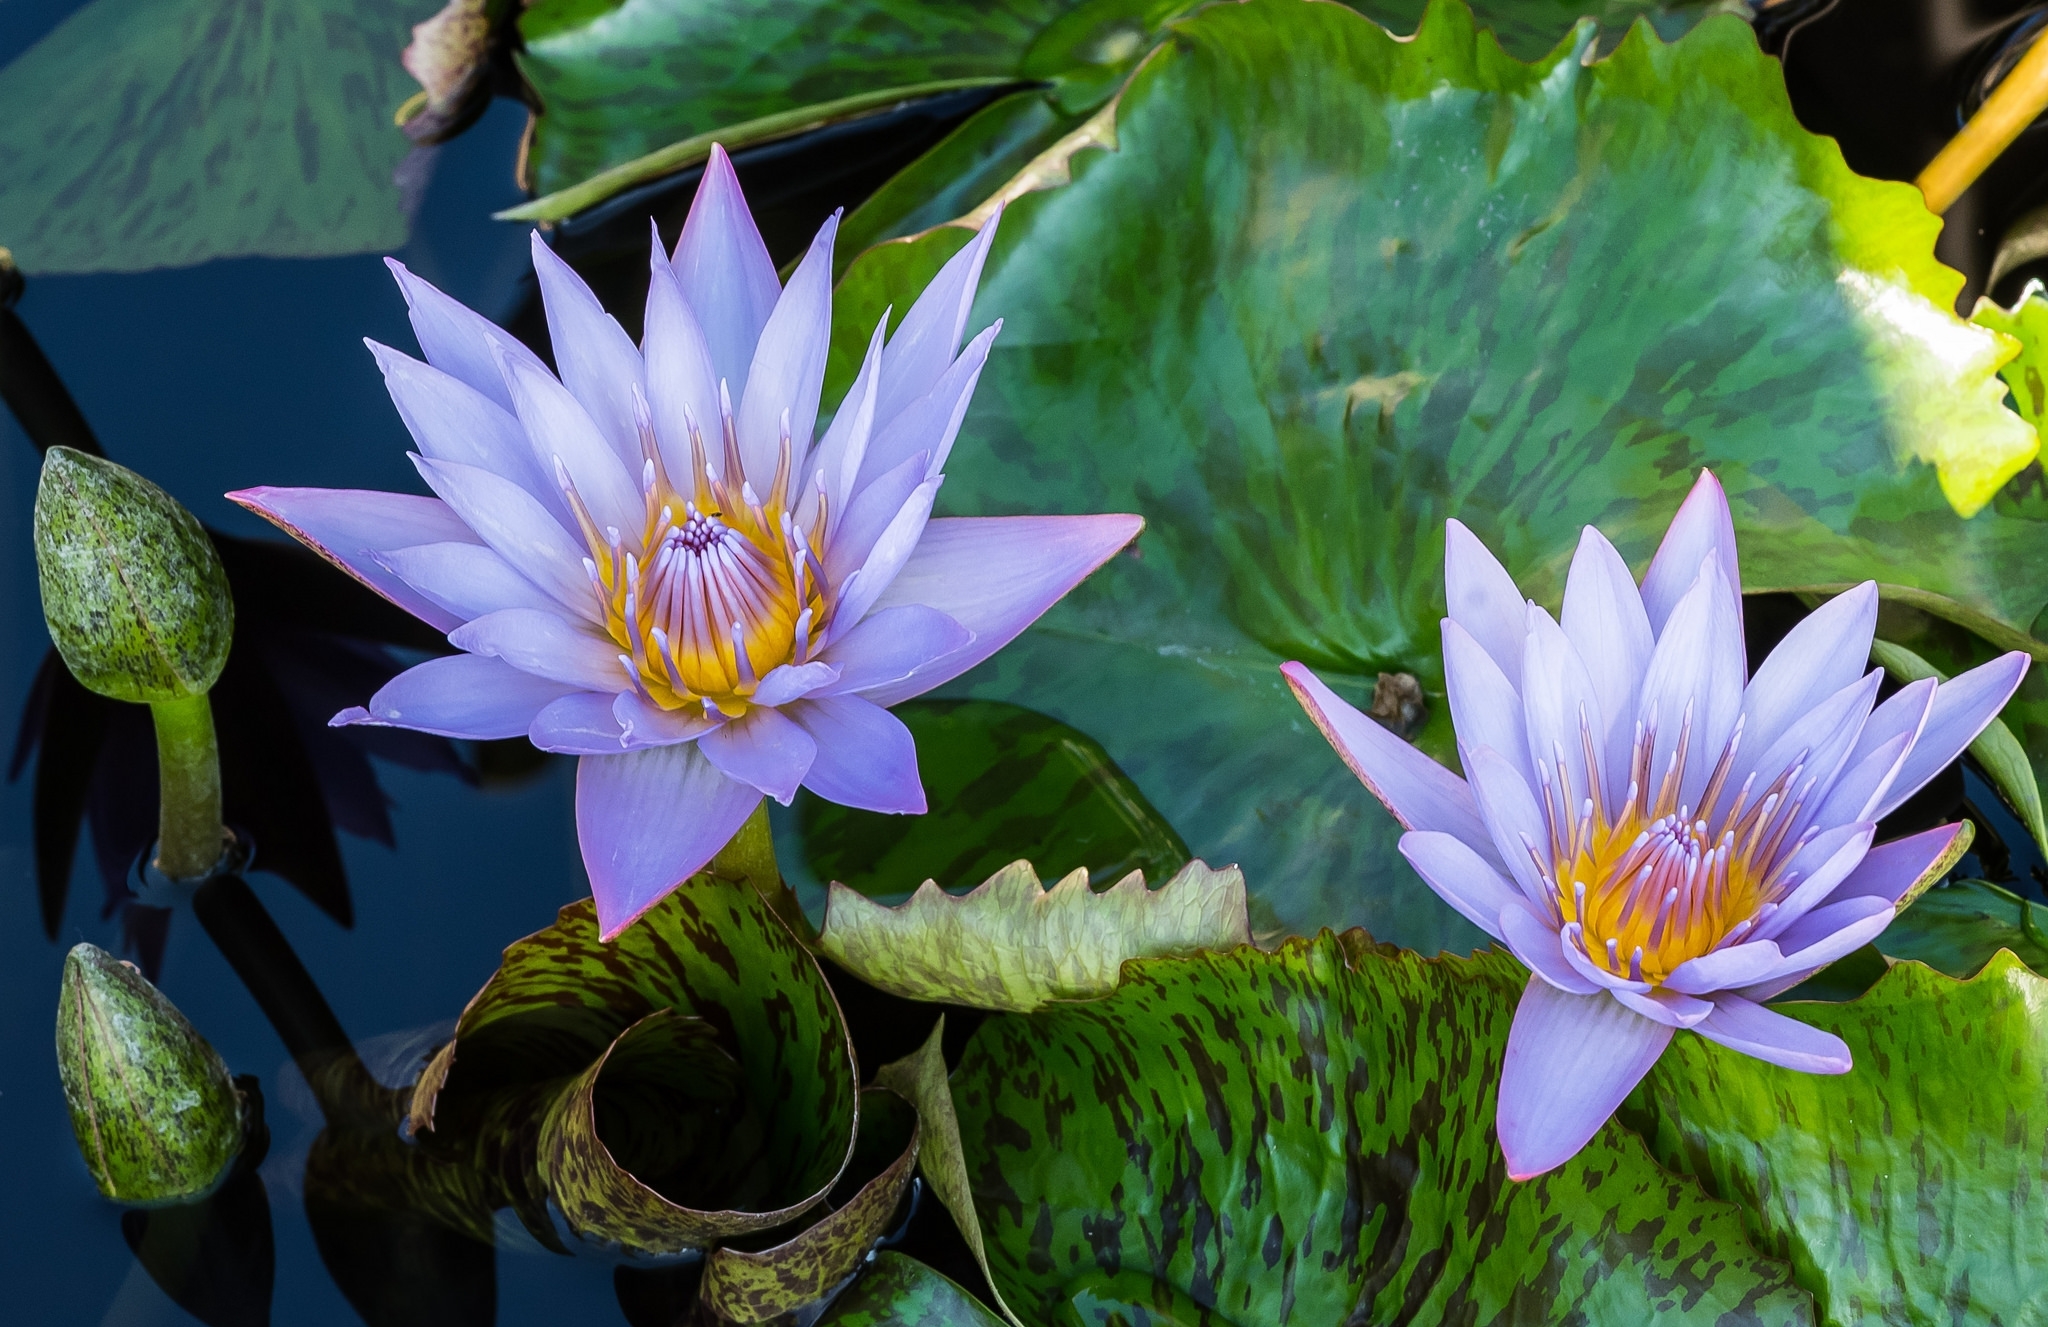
point(190, 838)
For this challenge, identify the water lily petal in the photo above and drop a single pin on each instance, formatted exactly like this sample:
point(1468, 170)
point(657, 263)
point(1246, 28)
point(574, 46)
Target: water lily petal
point(1826, 934)
point(563, 433)
point(1597, 972)
point(930, 423)
point(642, 724)
point(351, 527)
point(1664, 1005)
point(469, 580)
point(597, 361)
point(1603, 618)
point(1726, 969)
point(1561, 711)
point(1540, 948)
point(923, 347)
point(793, 682)
point(866, 757)
point(1703, 528)
point(1827, 651)
point(457, 340)
point(579, 724)
point(681, 386)
point(452, 421)
point(836, 462)
point(886, 560)
point(1514, 821)
point(1746, 1026)
point(765, 750)
point(1485, 709)
point(546, 645)
point(464, 695)
point(1482, 598)
point(1962, 707)
point(995, 575)
point(1696, 673)
point(649, 820)
point(1421, 793)
point(1819, 867)
point(1570, 1061)
point(1861, 785)
point(789, 365)
point(1890, 869)
point(1461, 877)
point(862, 522)
point(506, 517)
point(1818, 741)
point(726, 274)
point(891, 647)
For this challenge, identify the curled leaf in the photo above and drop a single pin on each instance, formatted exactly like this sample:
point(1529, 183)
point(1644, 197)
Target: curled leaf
point(899, 1291)
point(1012, 944)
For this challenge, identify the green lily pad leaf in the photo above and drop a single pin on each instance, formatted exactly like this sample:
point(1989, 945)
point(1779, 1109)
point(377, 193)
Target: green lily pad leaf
point(1329, 288)
point(2027, 323)
point(688, 1083)
point(1886, 1188)
point(1012, 944)
point(920, 1078)
point(1306, 1136)
point(757, 1287)
point(163, 133)
point(1002, 782)
point(1960, 926)
point(900, 1291)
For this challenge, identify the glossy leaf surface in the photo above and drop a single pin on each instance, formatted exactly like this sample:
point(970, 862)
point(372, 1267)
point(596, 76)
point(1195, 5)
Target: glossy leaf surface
point(899, 1291)
point(1962, 925)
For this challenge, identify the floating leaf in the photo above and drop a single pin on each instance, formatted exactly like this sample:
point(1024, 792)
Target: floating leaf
point(1958, 927)
point(1896, 1190)
point(1010, 943)
point(162, 133)
point(1328, 289)
point(1305, 1137)
point(690, 1082)
point(898, 1291)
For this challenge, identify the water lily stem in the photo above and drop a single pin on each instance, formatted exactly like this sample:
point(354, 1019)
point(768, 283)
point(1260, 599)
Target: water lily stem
point(2012, 106)
point(189, 833)
point(751, 857)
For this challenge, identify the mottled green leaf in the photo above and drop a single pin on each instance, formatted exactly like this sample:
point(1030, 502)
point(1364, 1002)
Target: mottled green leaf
point(1012, 944)
point(1958, 927)
point(747, 1286)
point(1306, 1137)
point(162, 133)
point(689, 1082)
point(1327, 289)
point(2027, 323)
point(1907, 1190)
point(898, 1291)
point(1996, 749)
point(1002, 783)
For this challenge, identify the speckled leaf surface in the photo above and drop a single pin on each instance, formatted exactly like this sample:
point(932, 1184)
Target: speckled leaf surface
point(1011, 943)
point(163, 133)
point(1306, 1137)
point(1909, 1190)
point(1323, 289)
point(900, 1291)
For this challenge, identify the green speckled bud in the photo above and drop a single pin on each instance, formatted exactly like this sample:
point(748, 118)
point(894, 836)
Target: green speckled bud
point(133, 591)
point(156, 1115)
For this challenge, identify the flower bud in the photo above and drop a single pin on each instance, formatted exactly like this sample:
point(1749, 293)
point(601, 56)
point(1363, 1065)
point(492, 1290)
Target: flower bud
point(156, 1115)
point(133, 591)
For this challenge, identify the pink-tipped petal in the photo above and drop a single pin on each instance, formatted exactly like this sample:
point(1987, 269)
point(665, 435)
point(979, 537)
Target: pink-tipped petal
point(766, 750)
point(545, 645)
point(1726, 969)
point(794, 682)
point(924, 346)
point(1461, 878)
point(506, 517)
point(1962, 707)
point(1421, 793)
point(457, 340)
point(1890, 869)
point(1485, 709)
point(1570, 1061)
point(866, 757)
point(1603, 618)
point(597, 360)
point(725, 272)
point(1703, 528)
point(995, 575)
point(681, 386)
point(1540, 948)
point(1743, 1025)
point(789, 364)
point(581, 724)
point(649, 820)
point(452, 421)
point(892, 647)
point(469, 580)
point(1482, 598)
point(1824, 653)
point(1697, 669)
point(463, 695)
point(351, 527)
point(1826, 934)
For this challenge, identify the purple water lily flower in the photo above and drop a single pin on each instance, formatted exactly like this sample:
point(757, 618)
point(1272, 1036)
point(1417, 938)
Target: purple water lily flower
point(650, 564)
point(1665, 842)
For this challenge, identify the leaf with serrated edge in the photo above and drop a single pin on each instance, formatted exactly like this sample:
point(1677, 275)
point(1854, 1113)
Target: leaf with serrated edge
point(1012, 944)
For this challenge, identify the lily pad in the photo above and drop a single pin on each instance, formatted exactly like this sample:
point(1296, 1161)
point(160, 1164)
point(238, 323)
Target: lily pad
point(1012, 944)
point(690, 1082)
point(1959, 927)
point(163, 133)
point(1310, 290)
point(1306, 1136)
point(1891, 1189)
point(900, 1291)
